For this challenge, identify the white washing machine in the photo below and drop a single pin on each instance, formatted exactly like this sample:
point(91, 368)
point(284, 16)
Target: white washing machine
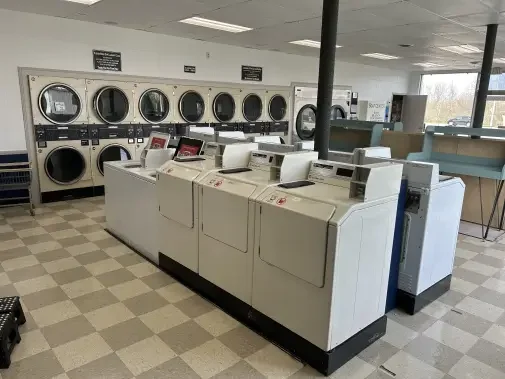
point(110, 143)
point(226, 216)
point(110, 102)
point(322, 251)
point(63, 159)
point(252, 116)
point(58, 101)
point(278, 109)
point(192, 104)
point(178, 198)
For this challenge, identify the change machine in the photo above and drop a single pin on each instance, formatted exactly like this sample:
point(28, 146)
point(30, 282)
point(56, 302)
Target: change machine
point(322, 250)
point(226, 232)
point(178, 198)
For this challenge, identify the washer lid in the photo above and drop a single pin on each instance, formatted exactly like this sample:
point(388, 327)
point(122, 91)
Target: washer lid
point(112, 105)
point(65, 165)
point(277, 108)
point(191, 106)
point(154, 106)
point(252, 108)
point(111, 153)
point(60, 104)
point(224, 107)
point(306, 122)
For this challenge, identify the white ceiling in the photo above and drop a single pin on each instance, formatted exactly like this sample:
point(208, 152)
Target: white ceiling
point(365, 26)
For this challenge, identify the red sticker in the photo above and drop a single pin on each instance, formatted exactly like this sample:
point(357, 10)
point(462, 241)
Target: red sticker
point(281, 201)
point(218, 184)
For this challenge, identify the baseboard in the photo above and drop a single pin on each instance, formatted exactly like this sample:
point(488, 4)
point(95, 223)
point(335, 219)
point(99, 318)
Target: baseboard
point(70, 194)
point(414, 303)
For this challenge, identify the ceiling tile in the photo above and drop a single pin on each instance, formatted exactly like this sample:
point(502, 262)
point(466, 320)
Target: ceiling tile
point(404, 13)
point(56, 8)
point(448, 8)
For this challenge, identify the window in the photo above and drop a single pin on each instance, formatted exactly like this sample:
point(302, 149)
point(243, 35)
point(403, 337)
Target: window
point(495, 106)
point(450, 98)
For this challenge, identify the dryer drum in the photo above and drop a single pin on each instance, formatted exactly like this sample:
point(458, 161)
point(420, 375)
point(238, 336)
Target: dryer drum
point(337, 113)
point(110, 153)
point(60, 104)
point(191, 106)
point(112, 105)
point(154, 106)
point(252, 107)
point(224, 107)
point(277, 108)
point(65, 165)
point(306, 122)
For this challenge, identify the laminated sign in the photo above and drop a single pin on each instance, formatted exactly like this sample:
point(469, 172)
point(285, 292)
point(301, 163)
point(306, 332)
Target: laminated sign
point(106, 60)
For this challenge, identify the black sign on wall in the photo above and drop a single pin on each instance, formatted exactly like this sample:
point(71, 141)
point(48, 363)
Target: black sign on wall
point(106, 60)
point(190, 69)
point(251, 73)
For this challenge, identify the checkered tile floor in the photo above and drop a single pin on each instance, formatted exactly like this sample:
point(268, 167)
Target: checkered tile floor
point(95, 309)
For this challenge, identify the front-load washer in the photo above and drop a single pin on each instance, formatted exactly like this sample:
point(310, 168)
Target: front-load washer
point(225, 104)
point(277, 103)
point(340, 103)
point(110, 102)
point(63, 159)
point(110, 143)
point(192, 104)
point(252, 117)
point(304, 114)
point(58, 101)
point(226, 216)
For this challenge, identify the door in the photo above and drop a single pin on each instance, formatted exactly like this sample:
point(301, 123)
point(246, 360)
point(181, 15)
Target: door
point(65, 165)
point(306, 122)
point(111, 105)
point(277, 108)
point(223, 107)
point(252, 107)
point(154, 106)
point(60, 104)
point(192, 106)
point(110, 153)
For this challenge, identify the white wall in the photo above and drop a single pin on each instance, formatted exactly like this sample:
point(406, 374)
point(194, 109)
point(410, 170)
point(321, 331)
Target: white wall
point(28, 40)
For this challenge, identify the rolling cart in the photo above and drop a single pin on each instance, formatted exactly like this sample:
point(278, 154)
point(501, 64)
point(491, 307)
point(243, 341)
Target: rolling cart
point(15, 179)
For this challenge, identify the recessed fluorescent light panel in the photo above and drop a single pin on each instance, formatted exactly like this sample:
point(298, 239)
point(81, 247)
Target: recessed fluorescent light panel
point(309, 43)
point(85, 2)
point(499, 60)
point(428, 65)
point(461, 49)
point(199, 21)
point(384, 57)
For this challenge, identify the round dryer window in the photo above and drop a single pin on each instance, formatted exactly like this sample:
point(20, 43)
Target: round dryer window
point(306, 122)
point(65, 165)
point(112, 105)
point(337, 113)
point(112, 153)
point(277, 108)
point(154, 106)
point(252, 107)
point(60, 104)
point(224, 107)
point(191, 106)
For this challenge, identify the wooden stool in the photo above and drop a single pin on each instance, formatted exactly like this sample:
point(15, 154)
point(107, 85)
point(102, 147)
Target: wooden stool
point(9, 337)
point(12, 304)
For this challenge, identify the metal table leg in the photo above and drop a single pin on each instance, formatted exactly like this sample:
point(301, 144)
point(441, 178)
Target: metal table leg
point(495, 204)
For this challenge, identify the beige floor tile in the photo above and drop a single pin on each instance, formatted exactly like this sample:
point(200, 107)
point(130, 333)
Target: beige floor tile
point(80, 223)
point(51, 220)
point(33, 342)
point(217, 322)
point(116, 277)
point(97, 236)
point(18, 219)
point(174, 368)
point(451, 336)
point(479, 268)
point(129, 289)
point(92, 257)
point(43, 247)
point(67, 331)
point(89, 229)
point(126, 333)
point(11, 244)
point(158, 280)
point(108, 316)
point(82, 287)
point(4, 279)
point(29, 286)
point(145, 303)
point(406, 366)
point(398, 335)
point(44, 298)
point(57, 227)
point(175, 292)
point(55, 313)
point(195, 306)
point(145, 355)
point(18, 252)
point(496, 335)
point(17, 263)
point(73, 241)
point(54, 255)
point(34, 240)
point(66, 212)
point(71, 275)
point(243, 341)
point(210, 359)
point(436, 309)
point(164, 318)
point(82, 351)
point(108, 242)
point(94, 301)
point(40, 366)
point(273, 362)
point(141, 270)
point(104, 266)
point(130, 259)
point(6, 229)
point(108, 367)
point(66, 233)
point(469, 368)
point(463, 286)
point(61, 265)
point(10, 236)
point(481, 309)
point(185, 337)
point(495, 285)
point(31, 232)
point(118, 251)
point(26, 273)
point(82, 249)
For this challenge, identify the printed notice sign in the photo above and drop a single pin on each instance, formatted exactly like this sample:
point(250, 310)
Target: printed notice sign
point(251, 73)
point(106, 60)
point(190, 69)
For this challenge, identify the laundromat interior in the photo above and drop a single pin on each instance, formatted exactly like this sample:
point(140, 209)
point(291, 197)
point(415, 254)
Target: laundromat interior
point(252, 189)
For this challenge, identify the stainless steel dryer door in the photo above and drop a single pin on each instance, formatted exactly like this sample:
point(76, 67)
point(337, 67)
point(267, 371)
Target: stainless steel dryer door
point(65, 165)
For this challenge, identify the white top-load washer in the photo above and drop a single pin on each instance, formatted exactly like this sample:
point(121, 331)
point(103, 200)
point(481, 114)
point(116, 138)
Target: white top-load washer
point(178, 198)
point(322, 250)
point(226, 216)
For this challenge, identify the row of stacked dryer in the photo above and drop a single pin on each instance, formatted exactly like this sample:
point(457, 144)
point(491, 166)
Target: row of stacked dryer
point(79, 123)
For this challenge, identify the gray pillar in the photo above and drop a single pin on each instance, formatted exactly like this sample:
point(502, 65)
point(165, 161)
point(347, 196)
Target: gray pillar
point(326, 74)
point(485, 75)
